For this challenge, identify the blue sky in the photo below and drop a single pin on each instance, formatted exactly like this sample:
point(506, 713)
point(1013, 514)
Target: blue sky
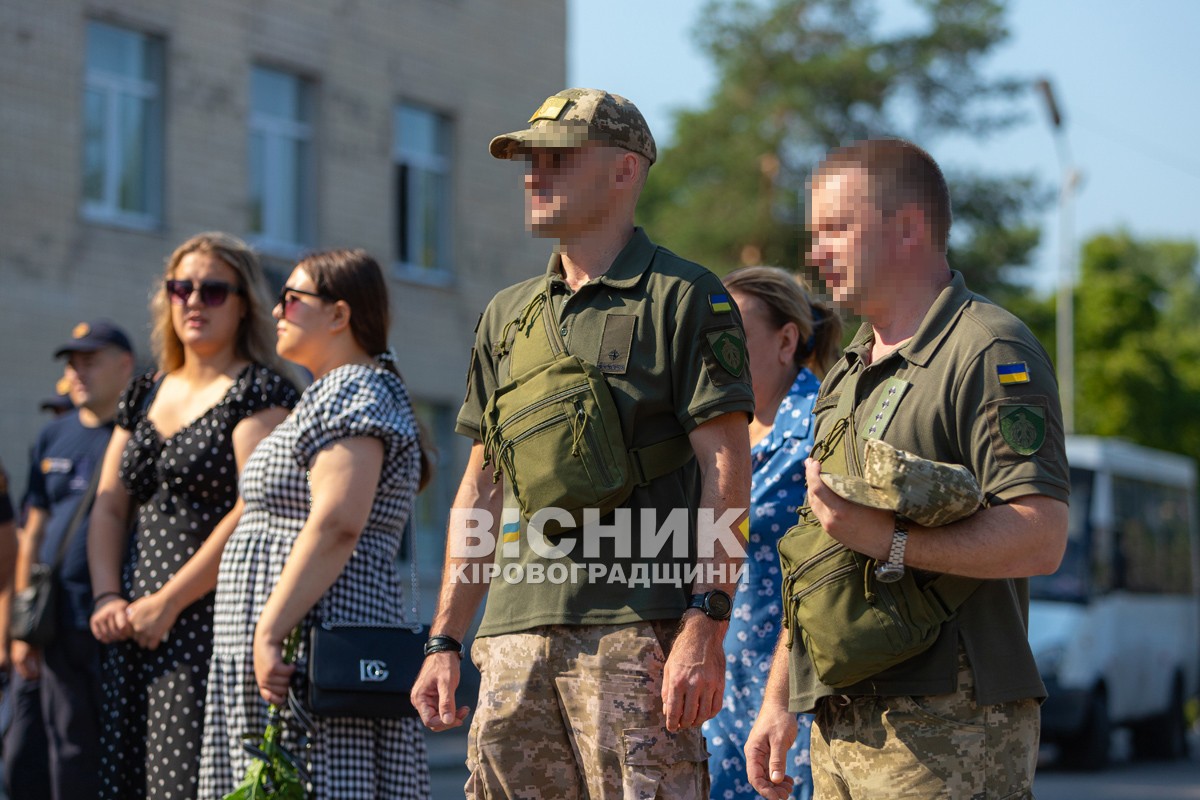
point(1125, 75)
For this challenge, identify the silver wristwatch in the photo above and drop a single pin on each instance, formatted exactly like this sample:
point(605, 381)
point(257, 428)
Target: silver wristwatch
point(892, 570)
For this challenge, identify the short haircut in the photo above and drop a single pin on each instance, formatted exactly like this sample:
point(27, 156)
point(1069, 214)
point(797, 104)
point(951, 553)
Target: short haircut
point(899, 173)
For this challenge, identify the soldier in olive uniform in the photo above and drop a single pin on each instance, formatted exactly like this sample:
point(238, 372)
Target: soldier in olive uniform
point(943, 374)
point(595, 679)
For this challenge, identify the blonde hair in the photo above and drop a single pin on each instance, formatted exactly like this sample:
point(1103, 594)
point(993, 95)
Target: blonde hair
point(256, 331)
point(788, 298)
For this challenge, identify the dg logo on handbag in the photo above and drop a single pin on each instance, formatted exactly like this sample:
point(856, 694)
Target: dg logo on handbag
point(372, 670)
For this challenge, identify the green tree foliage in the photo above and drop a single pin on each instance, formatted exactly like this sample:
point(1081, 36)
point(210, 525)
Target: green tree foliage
point(797, 77)
point(1137, 342)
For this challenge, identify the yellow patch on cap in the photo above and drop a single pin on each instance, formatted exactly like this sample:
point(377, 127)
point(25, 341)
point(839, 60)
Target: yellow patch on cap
point(81, 330)
point(551, 109)
point(744, 527)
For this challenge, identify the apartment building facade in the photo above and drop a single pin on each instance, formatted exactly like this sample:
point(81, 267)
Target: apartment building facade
point(128, 125)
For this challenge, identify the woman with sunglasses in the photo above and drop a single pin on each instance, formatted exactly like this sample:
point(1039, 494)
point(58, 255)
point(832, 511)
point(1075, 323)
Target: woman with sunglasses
point(183, 435)
point(328, 495)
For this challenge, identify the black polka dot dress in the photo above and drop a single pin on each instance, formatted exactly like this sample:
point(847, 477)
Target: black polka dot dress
point(349, 759)
point(183, 486)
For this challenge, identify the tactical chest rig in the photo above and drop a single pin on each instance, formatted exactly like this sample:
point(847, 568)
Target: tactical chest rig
point(852, 626)
point(554, 432)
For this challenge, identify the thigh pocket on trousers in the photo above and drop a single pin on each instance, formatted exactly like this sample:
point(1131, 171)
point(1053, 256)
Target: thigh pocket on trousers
point(658, 763)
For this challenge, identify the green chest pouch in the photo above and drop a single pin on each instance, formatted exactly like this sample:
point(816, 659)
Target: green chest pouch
point(554, 432)
point(852, 626)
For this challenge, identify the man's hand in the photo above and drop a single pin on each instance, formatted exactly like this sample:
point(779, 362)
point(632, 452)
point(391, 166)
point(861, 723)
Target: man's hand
point(151, 618)
point(27, 660)
point(109, 623)
point(774, 732)
point(863, 529)
point(694, 676)
point(433, 692)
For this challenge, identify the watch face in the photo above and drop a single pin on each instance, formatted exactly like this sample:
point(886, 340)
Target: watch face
point(719, 605)
point(889, 572)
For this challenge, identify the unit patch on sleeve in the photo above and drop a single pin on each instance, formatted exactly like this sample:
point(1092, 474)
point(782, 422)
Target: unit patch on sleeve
point(725, 355)
point(1023, 427)
point(1013, 373)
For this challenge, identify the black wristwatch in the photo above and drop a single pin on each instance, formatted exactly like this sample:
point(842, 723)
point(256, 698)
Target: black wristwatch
point(715, 604)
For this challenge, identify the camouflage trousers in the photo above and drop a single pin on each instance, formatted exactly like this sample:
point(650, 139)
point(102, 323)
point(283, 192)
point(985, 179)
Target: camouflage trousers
point(932, 746)
point(572, 712)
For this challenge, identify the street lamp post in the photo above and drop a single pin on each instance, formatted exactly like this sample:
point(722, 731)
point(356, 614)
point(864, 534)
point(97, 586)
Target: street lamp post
point(1065, 316)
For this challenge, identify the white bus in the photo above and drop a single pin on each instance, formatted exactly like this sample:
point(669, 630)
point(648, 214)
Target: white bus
point(1116, 630)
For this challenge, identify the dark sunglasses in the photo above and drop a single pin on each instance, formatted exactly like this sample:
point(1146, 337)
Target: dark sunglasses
point(212, 293)
point(286, 296)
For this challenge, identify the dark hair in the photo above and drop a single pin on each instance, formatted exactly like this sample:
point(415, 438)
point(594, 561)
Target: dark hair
point(355, 278)
point(788, 298)
point(899, 173)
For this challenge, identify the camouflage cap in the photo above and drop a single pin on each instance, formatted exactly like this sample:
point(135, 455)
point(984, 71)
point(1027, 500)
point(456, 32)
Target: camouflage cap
point(574, 117)
point(930, 493)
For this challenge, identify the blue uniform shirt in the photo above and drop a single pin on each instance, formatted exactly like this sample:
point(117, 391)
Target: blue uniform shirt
point(64, 458)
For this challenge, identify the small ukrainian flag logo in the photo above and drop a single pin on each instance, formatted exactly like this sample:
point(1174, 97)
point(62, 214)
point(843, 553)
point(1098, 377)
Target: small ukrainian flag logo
point(511, 531)
point(720, 303)
point(1013, 373)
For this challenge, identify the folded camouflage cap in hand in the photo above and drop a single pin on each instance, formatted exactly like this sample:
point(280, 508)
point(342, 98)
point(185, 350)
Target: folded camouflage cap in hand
point(574, 117)
point(929, 493)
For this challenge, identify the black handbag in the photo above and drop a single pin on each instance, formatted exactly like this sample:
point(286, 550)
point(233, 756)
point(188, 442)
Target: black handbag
point(364, 669)
point(34, 614)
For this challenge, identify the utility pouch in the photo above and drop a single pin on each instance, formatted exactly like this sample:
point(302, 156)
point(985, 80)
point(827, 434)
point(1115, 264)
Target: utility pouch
point(555, 433)
point(851, 625)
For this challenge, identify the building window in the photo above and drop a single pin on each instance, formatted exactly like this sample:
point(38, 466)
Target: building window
point(281, 185)
point(422, 152)
point(433, 505)
point(123, 127)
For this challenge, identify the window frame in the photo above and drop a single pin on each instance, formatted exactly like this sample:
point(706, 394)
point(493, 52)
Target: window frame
point(441, 274)
point(294, 131)
point(113, 88)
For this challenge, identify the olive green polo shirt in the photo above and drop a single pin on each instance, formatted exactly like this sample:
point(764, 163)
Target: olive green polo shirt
point(972, 387)
point(654, 323)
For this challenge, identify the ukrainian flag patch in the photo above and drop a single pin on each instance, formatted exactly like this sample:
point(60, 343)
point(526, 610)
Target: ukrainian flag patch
point(511, 531)
point(719, 303)
point(1013, 373)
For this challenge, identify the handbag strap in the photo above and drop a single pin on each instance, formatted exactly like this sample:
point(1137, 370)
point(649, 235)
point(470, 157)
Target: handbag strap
point(85, 506)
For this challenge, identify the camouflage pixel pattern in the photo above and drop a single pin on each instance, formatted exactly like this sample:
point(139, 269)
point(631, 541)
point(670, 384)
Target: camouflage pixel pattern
point(930, 493)
point(574, 117)
point(572, 712)
point(933, 746)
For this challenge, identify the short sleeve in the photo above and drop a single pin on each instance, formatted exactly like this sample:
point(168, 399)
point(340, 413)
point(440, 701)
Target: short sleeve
point(6, 506)
point(709, 366)
point(481, 378)
point(356, 403)
point(131, 406)
point(1010, 422)
point(35, 493)
point(260, 388)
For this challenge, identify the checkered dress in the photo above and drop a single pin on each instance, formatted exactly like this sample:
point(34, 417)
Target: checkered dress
point(349, 758)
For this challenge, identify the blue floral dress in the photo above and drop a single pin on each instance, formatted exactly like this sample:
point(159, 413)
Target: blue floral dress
point(777, 490)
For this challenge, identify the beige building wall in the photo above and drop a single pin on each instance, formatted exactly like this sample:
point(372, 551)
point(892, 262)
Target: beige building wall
point(486, 64)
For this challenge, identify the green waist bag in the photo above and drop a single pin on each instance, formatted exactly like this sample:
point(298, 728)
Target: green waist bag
point(852, 626)
point(554, 432)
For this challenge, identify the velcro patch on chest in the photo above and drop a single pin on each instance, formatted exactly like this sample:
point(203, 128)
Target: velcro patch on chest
point(616, 343)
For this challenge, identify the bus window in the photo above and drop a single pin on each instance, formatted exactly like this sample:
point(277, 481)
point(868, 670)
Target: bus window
point(1071, 581)
point(1150, 527)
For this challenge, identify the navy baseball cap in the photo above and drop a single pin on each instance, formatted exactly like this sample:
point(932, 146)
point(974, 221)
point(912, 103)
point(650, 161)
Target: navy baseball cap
point(88, 337)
